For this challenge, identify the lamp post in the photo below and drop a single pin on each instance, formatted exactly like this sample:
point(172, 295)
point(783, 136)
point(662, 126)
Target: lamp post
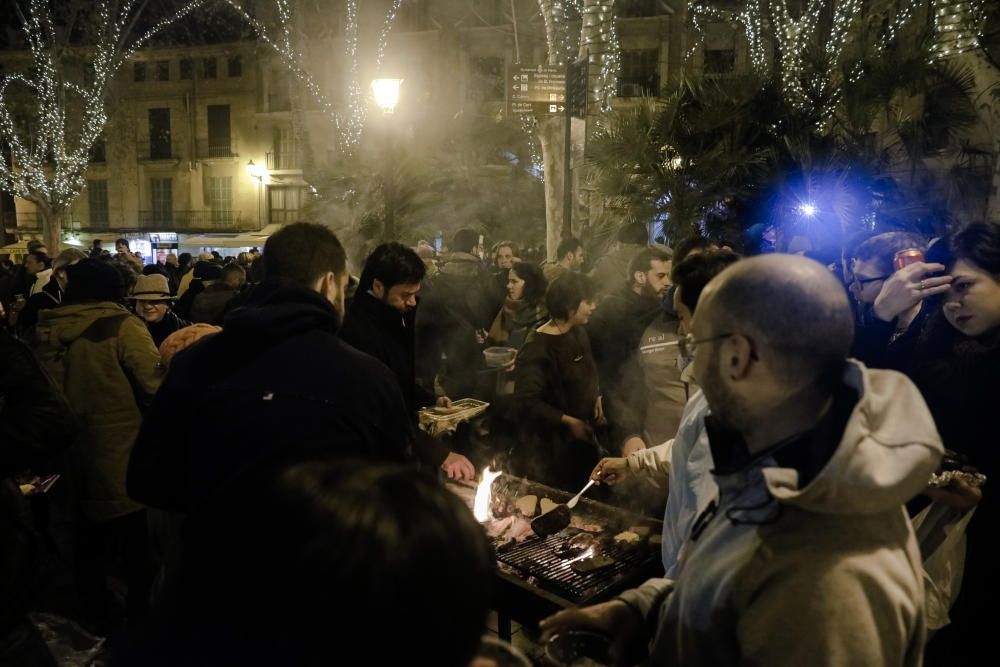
point(258, 172)
point(386, 93)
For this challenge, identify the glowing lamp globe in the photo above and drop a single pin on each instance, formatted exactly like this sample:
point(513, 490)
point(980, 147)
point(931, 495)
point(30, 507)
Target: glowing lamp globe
point(386, 92)
point(808, 210)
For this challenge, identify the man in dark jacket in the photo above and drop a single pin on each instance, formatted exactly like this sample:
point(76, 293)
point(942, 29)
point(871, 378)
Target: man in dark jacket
point(276, 384)
point(616, 333)
point(380, 322)
point(453, 319)
point(35, 422)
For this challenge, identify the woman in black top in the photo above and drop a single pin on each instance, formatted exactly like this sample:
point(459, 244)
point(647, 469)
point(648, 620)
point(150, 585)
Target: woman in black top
point(556, 394)
point(956, 362)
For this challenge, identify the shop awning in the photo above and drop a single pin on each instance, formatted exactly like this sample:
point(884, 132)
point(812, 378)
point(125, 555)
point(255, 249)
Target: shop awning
point(243, 240)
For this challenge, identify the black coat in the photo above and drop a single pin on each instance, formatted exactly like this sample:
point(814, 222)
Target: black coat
point(168, 325)
point(277, 383)
point(388, 335)
point(35, 422)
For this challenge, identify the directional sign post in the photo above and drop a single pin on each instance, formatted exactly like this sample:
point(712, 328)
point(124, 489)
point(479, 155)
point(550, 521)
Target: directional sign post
point(537, 89)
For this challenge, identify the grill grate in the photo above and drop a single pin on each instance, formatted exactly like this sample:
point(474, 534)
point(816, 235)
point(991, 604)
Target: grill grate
point(537, 558)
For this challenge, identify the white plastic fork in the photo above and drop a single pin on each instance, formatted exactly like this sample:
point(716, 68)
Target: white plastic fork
point(575, 499)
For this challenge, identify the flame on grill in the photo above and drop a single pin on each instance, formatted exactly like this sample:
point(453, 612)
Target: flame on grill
point(481, 507)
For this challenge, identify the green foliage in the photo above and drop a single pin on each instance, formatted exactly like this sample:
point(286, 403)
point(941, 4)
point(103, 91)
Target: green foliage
point(720, 156)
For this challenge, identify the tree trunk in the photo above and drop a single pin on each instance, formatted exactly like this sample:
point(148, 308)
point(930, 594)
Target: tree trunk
point(51, 229)
point(551, 133)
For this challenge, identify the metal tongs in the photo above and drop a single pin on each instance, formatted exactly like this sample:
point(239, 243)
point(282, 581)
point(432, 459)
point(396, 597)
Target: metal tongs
point(558, 517)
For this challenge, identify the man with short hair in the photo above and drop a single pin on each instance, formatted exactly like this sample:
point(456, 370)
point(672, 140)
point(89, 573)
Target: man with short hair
point(51, 294)
point(277, 383)
point(123, 253)
point(627, 327)
point(38, 265)
point(569, 257)
point(807, 557)
point(381, 323)
point(96, 249)
point(612, 268)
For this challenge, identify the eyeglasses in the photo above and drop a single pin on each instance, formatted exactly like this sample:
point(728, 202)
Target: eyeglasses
point(152, 304)
point(861, 282)
point(688, 344)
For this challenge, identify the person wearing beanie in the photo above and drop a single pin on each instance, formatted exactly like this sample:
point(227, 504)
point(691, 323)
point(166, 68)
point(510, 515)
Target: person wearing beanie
point(103, 359)
point(151, 301)
point(188, 274)
point(204, 274)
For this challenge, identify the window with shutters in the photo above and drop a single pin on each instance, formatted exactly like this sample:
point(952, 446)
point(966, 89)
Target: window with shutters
point(97, 201)
point(220, 200)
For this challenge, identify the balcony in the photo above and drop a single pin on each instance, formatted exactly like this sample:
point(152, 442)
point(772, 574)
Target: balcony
point(216, 149)
point(277, 161)
point(31, 223)
point(152, 151)
point(194, 221)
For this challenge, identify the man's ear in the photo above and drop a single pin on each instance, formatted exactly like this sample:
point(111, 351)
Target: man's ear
point(639, 277)
point(378, 289)
point(740, 354)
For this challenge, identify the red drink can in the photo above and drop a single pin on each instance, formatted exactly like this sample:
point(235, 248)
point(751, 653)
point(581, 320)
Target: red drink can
point(907, 257)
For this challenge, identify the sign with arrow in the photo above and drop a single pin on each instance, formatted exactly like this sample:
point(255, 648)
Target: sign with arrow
point(536, 89)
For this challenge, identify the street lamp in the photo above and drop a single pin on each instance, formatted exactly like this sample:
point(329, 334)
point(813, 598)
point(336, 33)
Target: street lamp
point(258, 173)
point(386, 93)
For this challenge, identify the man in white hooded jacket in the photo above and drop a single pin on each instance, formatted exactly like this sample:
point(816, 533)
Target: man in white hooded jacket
point(807, 556)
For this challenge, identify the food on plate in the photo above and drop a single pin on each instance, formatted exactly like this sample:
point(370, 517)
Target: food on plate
point(627, 537)
point(595, 562)
point(548, 505)
point(527, 505)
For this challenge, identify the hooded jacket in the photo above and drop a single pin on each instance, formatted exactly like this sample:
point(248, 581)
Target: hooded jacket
point(276, 384)
point(807, 557)
point(104, 360)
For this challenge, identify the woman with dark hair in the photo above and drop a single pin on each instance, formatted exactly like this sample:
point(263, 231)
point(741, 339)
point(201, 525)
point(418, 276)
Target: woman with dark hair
point(956, 362)
point(327, 563)
point(524, 309)
point(556, 394)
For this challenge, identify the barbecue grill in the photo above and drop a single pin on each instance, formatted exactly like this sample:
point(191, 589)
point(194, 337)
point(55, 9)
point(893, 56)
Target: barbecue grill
point(536, 578)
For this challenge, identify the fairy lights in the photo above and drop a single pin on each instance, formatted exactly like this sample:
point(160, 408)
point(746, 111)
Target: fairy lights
point(830, 24)
point(349, 125)
point(48, 158)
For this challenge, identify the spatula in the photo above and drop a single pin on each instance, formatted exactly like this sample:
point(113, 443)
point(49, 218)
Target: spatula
point(558, 517)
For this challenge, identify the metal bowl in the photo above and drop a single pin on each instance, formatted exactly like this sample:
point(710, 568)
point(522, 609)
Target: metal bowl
point(578, 648)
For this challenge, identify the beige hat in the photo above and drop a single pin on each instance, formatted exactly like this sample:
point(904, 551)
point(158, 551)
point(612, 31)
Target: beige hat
point(153, 287)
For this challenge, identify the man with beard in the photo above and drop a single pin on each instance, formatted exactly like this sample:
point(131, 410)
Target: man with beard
point(640, 378)
point(381, 323)
point(807, 556)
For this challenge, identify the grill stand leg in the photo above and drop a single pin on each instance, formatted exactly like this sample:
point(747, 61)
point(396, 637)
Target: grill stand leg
point(503, 625)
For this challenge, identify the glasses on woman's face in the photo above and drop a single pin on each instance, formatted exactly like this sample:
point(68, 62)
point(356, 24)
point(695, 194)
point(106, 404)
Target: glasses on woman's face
point(151, 305)
point(689, 344)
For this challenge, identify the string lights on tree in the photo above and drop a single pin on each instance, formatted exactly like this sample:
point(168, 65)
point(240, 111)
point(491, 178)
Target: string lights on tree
point(47, 158)
point(350, 123)
point(827, 23)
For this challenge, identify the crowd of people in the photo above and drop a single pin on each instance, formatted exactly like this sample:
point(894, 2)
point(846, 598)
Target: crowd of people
point(241, 477)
